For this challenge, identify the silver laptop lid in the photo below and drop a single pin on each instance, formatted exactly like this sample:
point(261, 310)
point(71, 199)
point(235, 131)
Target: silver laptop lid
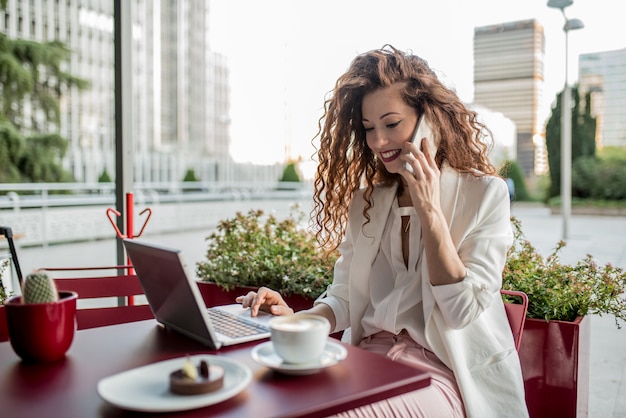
point(171, 291)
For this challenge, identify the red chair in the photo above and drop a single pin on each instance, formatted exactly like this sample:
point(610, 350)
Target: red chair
point(124, 287)
point(516, 313)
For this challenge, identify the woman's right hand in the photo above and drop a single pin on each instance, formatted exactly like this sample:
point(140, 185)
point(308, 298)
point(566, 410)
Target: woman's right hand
point(265, 299)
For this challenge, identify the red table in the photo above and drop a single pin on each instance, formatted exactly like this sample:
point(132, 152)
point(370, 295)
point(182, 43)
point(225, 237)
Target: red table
point(67, 388)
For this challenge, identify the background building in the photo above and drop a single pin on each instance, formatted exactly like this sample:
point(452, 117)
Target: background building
point(508, 78)
point(604, 75)
point(181, 88)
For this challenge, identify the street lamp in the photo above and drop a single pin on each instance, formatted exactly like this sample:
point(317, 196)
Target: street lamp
point(566, 121)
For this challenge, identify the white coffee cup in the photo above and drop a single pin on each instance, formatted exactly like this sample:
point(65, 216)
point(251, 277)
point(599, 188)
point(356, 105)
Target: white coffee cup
point(299, 338)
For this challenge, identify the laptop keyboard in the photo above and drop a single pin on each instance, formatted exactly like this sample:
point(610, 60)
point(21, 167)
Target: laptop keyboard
point(233, 325)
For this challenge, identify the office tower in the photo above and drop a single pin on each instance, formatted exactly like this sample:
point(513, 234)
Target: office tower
point(508, 78)
point(180, 87)
point(604, 75)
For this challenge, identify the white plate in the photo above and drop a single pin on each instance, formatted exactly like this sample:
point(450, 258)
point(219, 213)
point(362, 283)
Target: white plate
point(147, 388)
point(264, 354)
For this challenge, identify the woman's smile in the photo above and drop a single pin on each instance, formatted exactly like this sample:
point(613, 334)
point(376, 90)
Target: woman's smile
point(388, 156)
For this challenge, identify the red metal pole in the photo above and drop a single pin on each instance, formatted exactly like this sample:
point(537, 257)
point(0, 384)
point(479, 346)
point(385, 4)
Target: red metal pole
point(130, 227)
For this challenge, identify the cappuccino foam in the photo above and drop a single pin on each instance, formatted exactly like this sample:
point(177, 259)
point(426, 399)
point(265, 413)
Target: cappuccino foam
point(296, 325)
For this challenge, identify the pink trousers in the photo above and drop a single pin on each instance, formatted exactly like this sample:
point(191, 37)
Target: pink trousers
point(440, 399)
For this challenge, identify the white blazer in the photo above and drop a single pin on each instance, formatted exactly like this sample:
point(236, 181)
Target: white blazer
point(466, 324)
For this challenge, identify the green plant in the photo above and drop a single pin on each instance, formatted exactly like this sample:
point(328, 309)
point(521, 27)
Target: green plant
point(190, 175)
point(562, 292)
point(4, 267)
point(511, 169)
point(38, 287)
point(290, 174)
point(104, 177)
point(258, 250)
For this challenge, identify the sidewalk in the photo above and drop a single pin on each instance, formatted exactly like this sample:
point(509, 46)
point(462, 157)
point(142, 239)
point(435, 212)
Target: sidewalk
point(603, 237)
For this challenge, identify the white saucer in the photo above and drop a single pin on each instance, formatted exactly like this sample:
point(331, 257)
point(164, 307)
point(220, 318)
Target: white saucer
point(146, 388)
point(264, 354)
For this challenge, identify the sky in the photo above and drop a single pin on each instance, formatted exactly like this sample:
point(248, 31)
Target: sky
point(285, 55)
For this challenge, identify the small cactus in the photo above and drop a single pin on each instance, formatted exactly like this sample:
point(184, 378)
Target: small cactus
point(38, 287)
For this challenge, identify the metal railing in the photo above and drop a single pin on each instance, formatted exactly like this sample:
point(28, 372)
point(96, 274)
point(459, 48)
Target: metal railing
point(18, 196)
point(45, 213)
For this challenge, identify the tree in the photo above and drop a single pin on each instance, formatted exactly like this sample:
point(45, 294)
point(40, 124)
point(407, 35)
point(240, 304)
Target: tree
point(511, 169)
point(583, 136)
point(104, 177)
point(42, 161)
point(31, 148)
point(290, 173)
point(190, 175)
point(12, 148)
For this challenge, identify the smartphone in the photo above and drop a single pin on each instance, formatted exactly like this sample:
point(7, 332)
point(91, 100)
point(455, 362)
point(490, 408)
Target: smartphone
point(423, 130)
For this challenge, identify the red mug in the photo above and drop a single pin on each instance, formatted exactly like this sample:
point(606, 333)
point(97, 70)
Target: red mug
point(42, 332)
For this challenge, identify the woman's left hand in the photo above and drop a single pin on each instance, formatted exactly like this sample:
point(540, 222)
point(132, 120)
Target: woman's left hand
point(423, 183)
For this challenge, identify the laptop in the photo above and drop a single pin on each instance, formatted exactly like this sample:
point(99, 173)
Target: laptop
point(176, 302)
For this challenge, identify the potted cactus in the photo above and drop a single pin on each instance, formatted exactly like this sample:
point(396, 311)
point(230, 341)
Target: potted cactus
point(42, 321)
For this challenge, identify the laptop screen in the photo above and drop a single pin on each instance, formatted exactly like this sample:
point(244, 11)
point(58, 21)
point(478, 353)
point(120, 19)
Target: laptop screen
point(171, 292)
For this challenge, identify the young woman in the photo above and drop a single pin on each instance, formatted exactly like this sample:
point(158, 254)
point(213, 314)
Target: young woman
point(423, 228)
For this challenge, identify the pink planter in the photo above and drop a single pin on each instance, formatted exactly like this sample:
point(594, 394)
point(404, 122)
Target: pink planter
point(555, 365)
point(42, 332)
point(4, 332)
point(214, 295)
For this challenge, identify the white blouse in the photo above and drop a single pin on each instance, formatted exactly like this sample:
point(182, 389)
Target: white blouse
point(395, 290)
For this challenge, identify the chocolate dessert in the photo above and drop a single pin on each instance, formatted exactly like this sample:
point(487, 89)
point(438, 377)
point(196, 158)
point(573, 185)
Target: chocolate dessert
point(196, 380)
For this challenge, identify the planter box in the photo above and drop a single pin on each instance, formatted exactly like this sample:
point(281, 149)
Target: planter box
point(214, 295)
point(4, 331)
point(555, 364)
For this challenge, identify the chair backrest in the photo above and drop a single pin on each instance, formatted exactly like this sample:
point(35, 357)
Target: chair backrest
point(93, 313)
point(516, 313)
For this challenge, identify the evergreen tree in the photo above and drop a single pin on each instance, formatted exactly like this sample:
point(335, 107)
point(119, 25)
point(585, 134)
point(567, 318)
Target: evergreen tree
point(290, 173)
point(190, 175)
point(512, 170)
point(104, 177)
point(583, 136)
point(12, 149)
point(31, 73)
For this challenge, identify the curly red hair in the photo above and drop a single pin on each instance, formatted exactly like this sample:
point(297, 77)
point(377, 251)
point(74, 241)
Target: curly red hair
point(345, 162)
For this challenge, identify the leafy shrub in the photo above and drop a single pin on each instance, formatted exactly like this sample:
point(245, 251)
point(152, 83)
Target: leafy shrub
point(601, 178)
point(512, 170)
point(5, 266)
point(290, 174)
point(257, 250)
point(190, 175)
point(562, 292)
point(104, 177)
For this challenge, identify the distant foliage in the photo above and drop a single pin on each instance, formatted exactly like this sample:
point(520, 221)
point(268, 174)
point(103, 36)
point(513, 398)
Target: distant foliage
point(32, 76)
point(599, 179)
point(190, 175)
point(104, 177)
point(583, 137)
point(290, 173)
point(42, 161)
point(512, 170)
point(12, 149)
